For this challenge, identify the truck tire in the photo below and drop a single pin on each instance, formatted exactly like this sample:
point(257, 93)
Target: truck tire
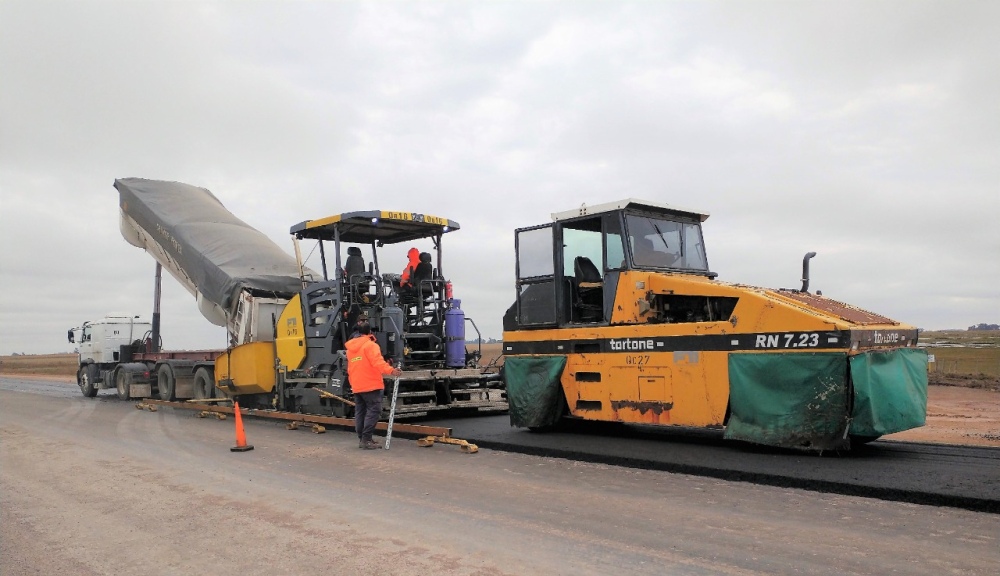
point(122, 384)
point(204, 384)
point(165, 382)
point(86, 377)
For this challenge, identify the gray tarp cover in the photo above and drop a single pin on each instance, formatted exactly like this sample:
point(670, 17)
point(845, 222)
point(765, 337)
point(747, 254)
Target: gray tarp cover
point(218, 251)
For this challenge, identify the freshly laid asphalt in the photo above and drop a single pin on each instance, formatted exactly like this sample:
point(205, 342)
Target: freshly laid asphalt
point(934, 474)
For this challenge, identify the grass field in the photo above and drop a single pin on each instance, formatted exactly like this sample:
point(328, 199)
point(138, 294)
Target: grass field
point(39, 365)
point(966, 360)
point(973, 338)
point(963, 352)
point(490, 352)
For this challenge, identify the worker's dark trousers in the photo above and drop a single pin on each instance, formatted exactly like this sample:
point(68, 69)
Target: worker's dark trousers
point(367, 409)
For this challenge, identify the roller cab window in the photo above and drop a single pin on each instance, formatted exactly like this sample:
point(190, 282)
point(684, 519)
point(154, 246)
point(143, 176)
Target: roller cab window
point(657, 243)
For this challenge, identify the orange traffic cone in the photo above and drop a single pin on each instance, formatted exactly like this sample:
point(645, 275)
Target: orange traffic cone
point(241, 437)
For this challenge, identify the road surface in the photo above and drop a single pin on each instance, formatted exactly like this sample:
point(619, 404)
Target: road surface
point(94, 486)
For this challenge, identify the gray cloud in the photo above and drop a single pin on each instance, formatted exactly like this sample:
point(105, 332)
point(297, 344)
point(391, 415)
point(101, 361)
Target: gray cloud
point(866, 131)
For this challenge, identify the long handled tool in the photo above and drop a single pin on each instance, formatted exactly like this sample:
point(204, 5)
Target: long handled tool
point(325, 394)
point(392, 410)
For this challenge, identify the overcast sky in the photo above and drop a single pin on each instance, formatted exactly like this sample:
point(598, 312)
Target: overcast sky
point(866, 131)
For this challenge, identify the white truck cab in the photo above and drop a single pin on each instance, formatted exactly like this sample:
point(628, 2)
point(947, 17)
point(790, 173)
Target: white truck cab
point(101, 344)
point(100, 341)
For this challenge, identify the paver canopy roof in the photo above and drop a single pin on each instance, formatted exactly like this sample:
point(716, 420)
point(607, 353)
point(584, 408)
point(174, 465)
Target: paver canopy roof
point(375, 225)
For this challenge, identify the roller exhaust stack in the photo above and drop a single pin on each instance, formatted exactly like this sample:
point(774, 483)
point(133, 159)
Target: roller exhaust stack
point(805, 271)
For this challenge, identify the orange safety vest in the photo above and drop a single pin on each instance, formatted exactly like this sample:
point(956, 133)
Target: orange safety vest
point(414, 256)
point(365, 365)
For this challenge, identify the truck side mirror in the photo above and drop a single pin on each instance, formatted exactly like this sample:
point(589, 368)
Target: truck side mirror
point(70, 335)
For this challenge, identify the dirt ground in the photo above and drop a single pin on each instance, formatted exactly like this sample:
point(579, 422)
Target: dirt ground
point(957, 415)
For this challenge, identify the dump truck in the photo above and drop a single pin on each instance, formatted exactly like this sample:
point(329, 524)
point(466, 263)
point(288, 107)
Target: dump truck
point(618, 318)
point(286, 323)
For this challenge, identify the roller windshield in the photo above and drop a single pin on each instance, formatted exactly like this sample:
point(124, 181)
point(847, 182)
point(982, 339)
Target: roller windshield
point(661, 243)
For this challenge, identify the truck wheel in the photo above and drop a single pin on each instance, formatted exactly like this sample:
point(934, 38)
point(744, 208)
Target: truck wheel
point(165, 382)
point(204, 384)
point(121, 383)
point(86, 378)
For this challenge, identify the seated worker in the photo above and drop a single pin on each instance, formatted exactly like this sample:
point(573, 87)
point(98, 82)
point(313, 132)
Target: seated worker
point(414, 258)
point(422, 271)
point(414, 296)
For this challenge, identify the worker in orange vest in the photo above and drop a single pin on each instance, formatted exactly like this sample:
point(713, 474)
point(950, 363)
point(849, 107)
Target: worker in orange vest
point(414, 258)
point(365, 368)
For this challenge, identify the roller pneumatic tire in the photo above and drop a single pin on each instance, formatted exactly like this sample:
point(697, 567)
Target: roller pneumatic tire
point(204, 384)
point(86, 377)
point(165, 382)
point(122, 384)
point(862, 440)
